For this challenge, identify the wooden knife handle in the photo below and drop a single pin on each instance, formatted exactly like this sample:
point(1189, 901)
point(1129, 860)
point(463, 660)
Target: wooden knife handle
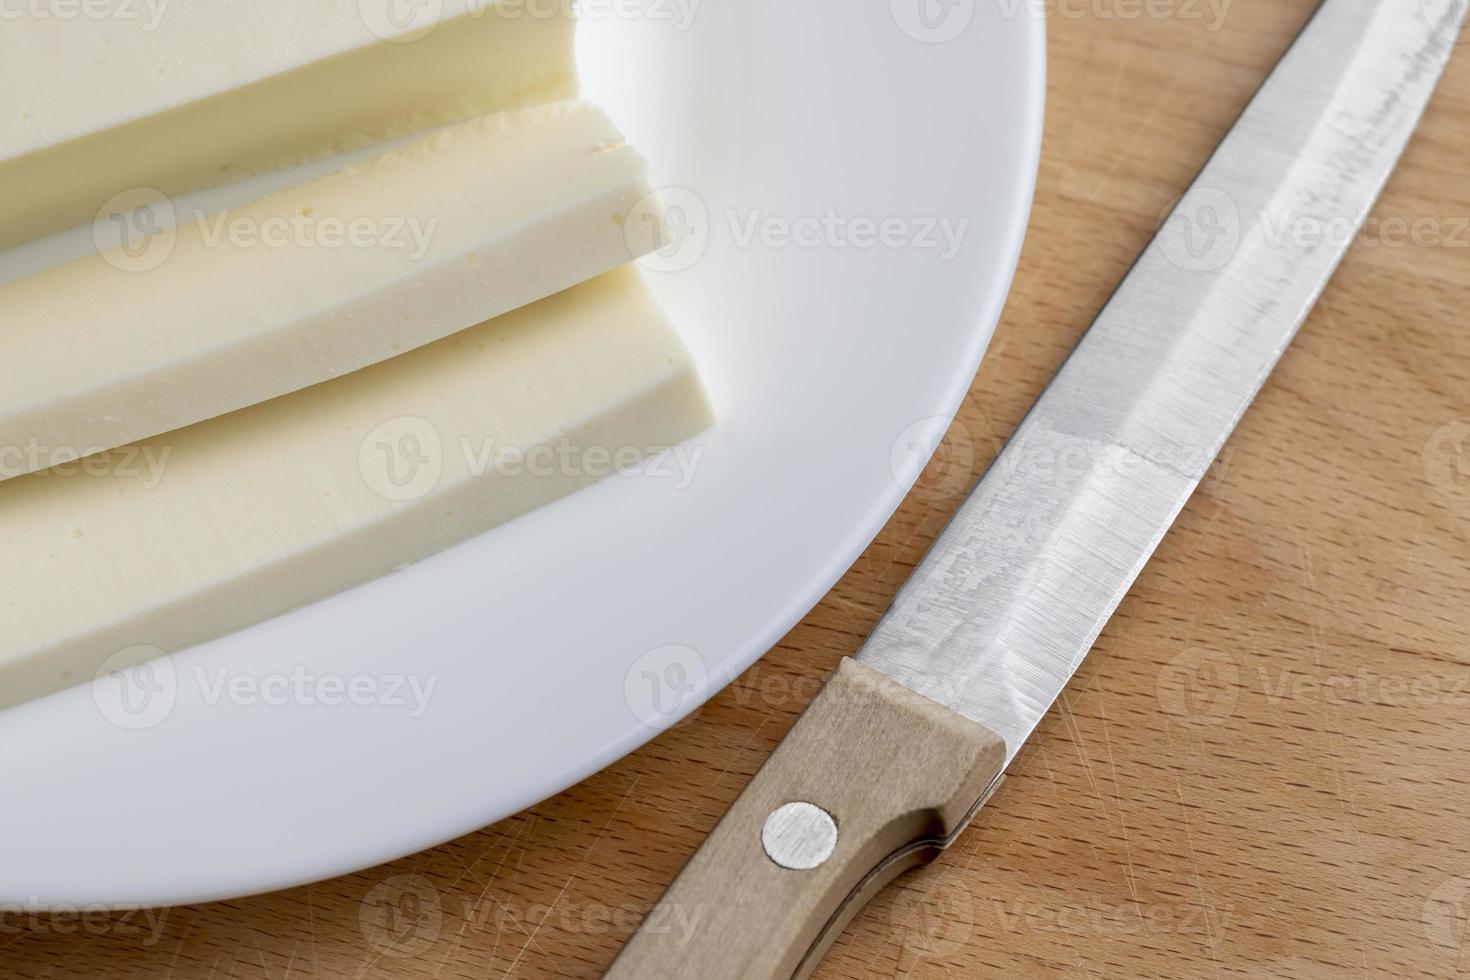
point(872, 780)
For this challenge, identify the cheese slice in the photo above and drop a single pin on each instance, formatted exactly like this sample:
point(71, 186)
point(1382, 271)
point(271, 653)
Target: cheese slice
point(235, 308)
point(184, 538)
point(177, 96)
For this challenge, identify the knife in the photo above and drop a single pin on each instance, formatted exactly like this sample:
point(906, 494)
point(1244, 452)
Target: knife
point(905, 742)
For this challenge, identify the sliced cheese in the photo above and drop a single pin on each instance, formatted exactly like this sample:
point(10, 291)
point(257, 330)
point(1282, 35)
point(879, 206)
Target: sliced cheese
point(229, 522)
point(235, 308)
point(177, 96)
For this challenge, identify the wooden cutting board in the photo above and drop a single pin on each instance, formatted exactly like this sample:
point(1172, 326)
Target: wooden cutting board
point(1263, 770)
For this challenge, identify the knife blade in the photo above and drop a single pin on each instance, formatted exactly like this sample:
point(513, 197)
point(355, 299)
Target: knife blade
point(1011, 598)
point(907, 740)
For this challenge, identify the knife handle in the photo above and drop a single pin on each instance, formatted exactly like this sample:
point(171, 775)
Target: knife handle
point(872, 780)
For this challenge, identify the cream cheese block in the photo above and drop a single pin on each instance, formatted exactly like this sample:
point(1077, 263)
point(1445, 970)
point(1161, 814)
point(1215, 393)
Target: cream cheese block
point(162, 545)
point(234, 308)
point(109, 95)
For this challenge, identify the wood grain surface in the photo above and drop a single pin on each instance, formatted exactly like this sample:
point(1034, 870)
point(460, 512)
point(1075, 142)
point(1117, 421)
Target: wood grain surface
point(1262, 769)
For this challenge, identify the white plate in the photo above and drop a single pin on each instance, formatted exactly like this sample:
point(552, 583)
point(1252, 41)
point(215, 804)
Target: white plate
point(566, 639)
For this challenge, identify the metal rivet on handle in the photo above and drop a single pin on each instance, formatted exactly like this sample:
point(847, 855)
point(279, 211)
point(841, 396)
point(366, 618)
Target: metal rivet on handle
point(799, 836)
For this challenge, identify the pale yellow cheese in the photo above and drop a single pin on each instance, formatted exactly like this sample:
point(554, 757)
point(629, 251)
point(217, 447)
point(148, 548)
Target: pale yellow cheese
point(235, 308)
point(232, 521)
point(175, 95)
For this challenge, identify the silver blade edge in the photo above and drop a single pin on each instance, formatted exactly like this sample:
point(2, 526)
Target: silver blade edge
point(1011, 598)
